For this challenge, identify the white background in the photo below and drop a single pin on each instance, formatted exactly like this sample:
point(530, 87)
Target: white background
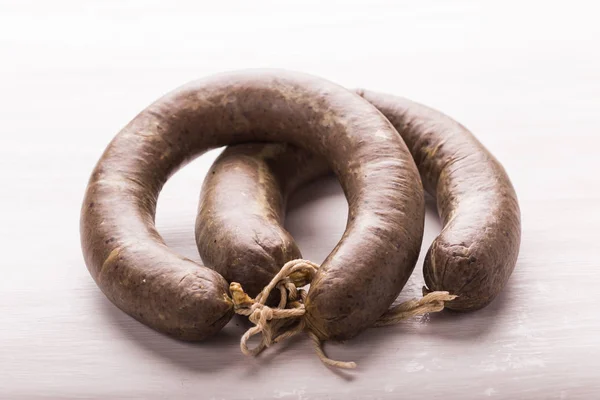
point(523, 75)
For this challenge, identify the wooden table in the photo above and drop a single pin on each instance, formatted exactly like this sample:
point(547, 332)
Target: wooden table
point(524, 76)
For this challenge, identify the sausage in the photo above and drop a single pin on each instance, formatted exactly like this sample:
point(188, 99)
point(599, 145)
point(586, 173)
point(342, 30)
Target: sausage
point(474, 255)
point(477, 250)
point(239, 226)
point(136, 270)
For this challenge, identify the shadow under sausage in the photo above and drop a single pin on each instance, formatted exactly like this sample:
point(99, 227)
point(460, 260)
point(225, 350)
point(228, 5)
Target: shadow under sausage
point(283, 354)
point(467, 326)
point(325, 186)
point(378, 343)
point(211, 355)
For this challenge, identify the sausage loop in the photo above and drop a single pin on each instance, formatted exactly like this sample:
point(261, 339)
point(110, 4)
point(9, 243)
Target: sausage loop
point(284, 321)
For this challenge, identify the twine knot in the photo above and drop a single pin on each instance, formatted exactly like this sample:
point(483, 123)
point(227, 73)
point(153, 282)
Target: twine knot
point(271, 321)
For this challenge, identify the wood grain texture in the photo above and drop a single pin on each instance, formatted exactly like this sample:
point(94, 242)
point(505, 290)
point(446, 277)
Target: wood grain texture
point(523, 76)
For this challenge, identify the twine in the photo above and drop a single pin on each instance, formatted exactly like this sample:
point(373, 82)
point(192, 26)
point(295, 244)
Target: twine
point(285, 320)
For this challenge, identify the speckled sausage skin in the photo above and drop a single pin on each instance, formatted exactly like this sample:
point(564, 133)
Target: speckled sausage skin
point(477, 250)
point(129, 260)
point(239, 228)
point(478, 247)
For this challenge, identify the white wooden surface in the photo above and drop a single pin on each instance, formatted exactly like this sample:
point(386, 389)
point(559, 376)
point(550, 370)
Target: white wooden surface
point(524, 76)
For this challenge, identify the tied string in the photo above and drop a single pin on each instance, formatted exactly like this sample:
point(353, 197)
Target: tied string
point(271, 321)
point(285, 320)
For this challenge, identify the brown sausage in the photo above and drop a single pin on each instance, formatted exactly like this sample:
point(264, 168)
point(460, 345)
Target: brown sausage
point(130, 262)
point(477, 250)
point(239, 228)
point(472, 257)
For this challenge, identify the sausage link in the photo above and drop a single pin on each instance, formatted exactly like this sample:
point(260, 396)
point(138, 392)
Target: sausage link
point(239, 228)
point(136, 270)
